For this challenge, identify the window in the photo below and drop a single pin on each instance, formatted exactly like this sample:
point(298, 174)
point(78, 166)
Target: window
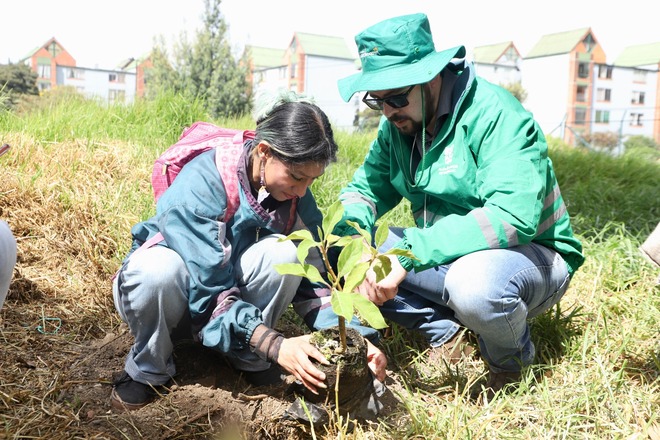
point(639, 76)
point(636, 119)
point(116, 95)
point(602, 116)
point(580, 116)
point(44, 70)
point(293, 71)
point(589, 43)
point(44, 86)
point(510, 54)
point(603, 95)
point(54, 49)
point(117, 77)
point(282, 71)
point(581, 94)
point(583, 70)
point(637, 98)
point(604, 72)
point(76, 74)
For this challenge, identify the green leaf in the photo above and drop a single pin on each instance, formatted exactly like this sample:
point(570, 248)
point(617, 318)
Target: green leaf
point(302, 270)
point(355, 277)
point(290, 269)
point(332, 239)
point(332, 217)
point(368, 311)
point(302, 234)
point(362, 232)
point(303, 249)
point(381, 234)
point(382, 266)
point(343, 241)
point(313, 274)
point(349, 257)
point(342, 304)
point(401, 252)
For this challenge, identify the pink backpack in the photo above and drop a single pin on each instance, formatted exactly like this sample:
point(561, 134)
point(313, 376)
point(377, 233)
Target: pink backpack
point(196, 139)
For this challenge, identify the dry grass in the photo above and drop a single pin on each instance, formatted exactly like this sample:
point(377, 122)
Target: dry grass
point(59, 299)
point(71, 206)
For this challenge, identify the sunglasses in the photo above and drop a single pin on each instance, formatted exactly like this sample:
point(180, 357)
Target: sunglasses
point(394, 101)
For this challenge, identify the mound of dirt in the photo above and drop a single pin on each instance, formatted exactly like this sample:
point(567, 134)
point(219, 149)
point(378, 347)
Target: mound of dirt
point(208, 396)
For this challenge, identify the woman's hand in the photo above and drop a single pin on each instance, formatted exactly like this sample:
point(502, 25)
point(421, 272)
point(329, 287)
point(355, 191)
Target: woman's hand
point(294, 357)
point(377, 361)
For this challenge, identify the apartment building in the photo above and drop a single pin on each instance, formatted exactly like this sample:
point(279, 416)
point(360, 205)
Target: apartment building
point(57, 67)
point(571, 89)
point(498, 63)
point(573, 92)
point(310, 64)
point(637, 86)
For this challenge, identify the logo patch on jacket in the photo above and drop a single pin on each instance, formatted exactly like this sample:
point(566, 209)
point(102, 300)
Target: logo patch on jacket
point(449, 158)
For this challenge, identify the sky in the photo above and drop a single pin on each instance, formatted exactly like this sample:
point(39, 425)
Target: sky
point(102, 34)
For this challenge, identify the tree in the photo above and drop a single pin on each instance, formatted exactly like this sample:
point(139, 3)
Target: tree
point(642, 147)
point(517, 90)
point(16, 80)
point(367, 119)
point(204, 68)
point(355, 259)
point(161, 76)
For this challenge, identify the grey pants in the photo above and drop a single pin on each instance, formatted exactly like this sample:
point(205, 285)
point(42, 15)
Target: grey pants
point(7, 259)
point(152, 299)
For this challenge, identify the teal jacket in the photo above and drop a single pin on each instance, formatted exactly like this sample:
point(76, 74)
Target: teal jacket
point(486, 182)
point(189, 215)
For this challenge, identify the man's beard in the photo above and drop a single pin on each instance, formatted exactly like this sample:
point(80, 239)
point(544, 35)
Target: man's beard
point(414, 127)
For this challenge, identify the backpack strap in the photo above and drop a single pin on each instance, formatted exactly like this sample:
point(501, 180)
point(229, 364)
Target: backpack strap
point(226, 160)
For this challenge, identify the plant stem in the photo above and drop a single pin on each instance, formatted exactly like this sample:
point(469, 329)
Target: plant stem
point(332, 276)
point(342, 333)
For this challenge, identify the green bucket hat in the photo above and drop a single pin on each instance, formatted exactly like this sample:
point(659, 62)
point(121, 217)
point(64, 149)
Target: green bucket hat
point(395, 53)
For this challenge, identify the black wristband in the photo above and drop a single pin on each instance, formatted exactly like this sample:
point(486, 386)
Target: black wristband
point(267, 346)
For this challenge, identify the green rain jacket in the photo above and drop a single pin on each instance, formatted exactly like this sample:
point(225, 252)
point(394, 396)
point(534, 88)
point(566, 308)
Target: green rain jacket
point(485, 182)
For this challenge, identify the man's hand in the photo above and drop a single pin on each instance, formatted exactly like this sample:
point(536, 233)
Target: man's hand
point(294, 357)
point(387, 288)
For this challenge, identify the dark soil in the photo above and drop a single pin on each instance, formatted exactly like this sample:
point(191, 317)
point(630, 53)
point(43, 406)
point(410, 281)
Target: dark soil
point(349, 366)
point(208, 397)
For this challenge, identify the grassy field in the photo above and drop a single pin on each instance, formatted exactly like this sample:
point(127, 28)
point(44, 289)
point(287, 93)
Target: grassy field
point(77, 179)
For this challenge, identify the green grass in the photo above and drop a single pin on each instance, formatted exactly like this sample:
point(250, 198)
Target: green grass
point(598, 352)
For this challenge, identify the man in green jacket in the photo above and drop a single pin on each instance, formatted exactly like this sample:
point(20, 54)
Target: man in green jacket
point(493, 242)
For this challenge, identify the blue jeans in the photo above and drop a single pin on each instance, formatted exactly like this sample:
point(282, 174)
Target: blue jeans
point(491, 292)
point(151, 296)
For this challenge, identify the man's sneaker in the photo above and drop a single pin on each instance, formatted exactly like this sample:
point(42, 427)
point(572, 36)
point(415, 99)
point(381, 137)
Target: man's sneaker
point(129, 395)
point(504, 381)
point(461, 346)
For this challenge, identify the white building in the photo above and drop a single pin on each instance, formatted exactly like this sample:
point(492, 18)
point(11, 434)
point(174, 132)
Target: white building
point(311, 64)
point(56, 67)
